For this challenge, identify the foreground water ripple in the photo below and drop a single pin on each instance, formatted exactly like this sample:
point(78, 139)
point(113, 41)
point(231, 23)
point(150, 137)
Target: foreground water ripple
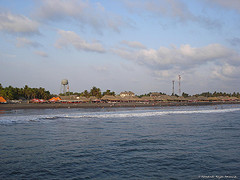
point(123, 143)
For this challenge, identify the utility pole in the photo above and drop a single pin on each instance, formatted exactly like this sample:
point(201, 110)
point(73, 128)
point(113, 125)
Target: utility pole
point(179, 84)
point(173, 88)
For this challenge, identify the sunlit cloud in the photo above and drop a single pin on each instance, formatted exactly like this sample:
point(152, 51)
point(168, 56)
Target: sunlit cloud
point(71, 38)
point(185, 55)
point(167, 62)
point(12, 23)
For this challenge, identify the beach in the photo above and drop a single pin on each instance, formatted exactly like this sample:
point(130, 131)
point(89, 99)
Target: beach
point(106, 105)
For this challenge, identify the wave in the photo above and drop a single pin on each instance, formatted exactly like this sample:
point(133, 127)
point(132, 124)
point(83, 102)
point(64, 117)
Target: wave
point(150, 113)
point(115, 114)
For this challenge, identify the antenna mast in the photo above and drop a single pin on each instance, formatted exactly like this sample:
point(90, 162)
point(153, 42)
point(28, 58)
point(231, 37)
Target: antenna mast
point(173, 88)
point(179, 84)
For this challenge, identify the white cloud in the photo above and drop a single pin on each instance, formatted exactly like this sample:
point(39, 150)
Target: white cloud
point(133, 44)
point(71, 38)
point(226, 72)
point(83, 12)
point(24, 42)
point(41, 53)
point(184, 57)
point(210, 62)
point(17, 24)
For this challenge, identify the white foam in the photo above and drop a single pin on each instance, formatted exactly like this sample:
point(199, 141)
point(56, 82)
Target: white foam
point(116, 114)
point(149, 113)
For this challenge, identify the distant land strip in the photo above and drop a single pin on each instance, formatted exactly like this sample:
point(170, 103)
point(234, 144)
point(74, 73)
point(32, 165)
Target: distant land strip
point(107, 105)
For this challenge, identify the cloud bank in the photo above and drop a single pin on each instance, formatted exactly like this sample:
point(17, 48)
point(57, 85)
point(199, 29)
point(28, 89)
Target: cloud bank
point(221, 61)
point(173, 9)
point(82, 12)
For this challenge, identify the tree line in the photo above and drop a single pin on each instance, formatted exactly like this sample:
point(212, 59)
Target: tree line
point(11, 93)
point(217, 94)
point(93, 92)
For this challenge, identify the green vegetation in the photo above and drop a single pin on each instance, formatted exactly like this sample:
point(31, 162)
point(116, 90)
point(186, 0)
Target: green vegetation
point(93, 92)
point(185, 94)
point(108, 92)
point(11, 93)
point(217, 94)
point(159, 93)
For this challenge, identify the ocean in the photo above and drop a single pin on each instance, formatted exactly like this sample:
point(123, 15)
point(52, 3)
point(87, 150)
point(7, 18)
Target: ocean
point(181, 142)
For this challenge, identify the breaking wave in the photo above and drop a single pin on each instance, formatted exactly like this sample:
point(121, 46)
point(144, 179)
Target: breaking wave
point(115, 114)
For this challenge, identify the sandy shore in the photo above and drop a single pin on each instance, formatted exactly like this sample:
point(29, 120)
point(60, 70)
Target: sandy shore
point(103, 105)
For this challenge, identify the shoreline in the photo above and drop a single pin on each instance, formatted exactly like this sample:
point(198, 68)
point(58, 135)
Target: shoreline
point(106, 105)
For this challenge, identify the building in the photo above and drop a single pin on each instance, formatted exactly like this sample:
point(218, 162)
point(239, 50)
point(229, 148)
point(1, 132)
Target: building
point(127, 94)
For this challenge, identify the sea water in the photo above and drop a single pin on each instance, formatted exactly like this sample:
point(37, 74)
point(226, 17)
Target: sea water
point(187, 142)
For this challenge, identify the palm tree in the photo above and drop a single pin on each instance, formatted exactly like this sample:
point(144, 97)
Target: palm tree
point(95, 92)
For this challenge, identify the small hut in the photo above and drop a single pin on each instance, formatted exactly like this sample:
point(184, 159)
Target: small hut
point(130, 99)
point(83, 99)
point(94, 99)
point(233, 99)
point(160, 98)
point(110, 98)
point(213, 99)
point(147, 99)
point(202, 98)
point(181, 99)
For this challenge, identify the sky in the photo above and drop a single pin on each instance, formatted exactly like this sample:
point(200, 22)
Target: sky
point(121, 45)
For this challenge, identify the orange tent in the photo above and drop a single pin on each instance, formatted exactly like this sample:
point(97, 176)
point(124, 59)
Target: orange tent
point(55, 99)
point(2, 100)
point(58, 98)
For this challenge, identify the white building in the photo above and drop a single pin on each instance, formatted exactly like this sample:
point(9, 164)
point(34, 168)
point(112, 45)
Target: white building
point(127, 94)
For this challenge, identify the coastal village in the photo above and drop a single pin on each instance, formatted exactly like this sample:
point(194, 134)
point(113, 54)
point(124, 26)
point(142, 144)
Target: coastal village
point(126, 97)
point(27, 95)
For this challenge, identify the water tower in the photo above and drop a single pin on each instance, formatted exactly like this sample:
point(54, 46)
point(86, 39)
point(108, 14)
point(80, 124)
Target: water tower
point(64, 86)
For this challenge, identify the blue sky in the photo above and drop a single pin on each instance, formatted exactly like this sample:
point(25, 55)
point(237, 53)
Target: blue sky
point(135, 45)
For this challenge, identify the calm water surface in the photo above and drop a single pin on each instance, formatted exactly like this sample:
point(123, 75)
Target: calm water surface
point(123, 143)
